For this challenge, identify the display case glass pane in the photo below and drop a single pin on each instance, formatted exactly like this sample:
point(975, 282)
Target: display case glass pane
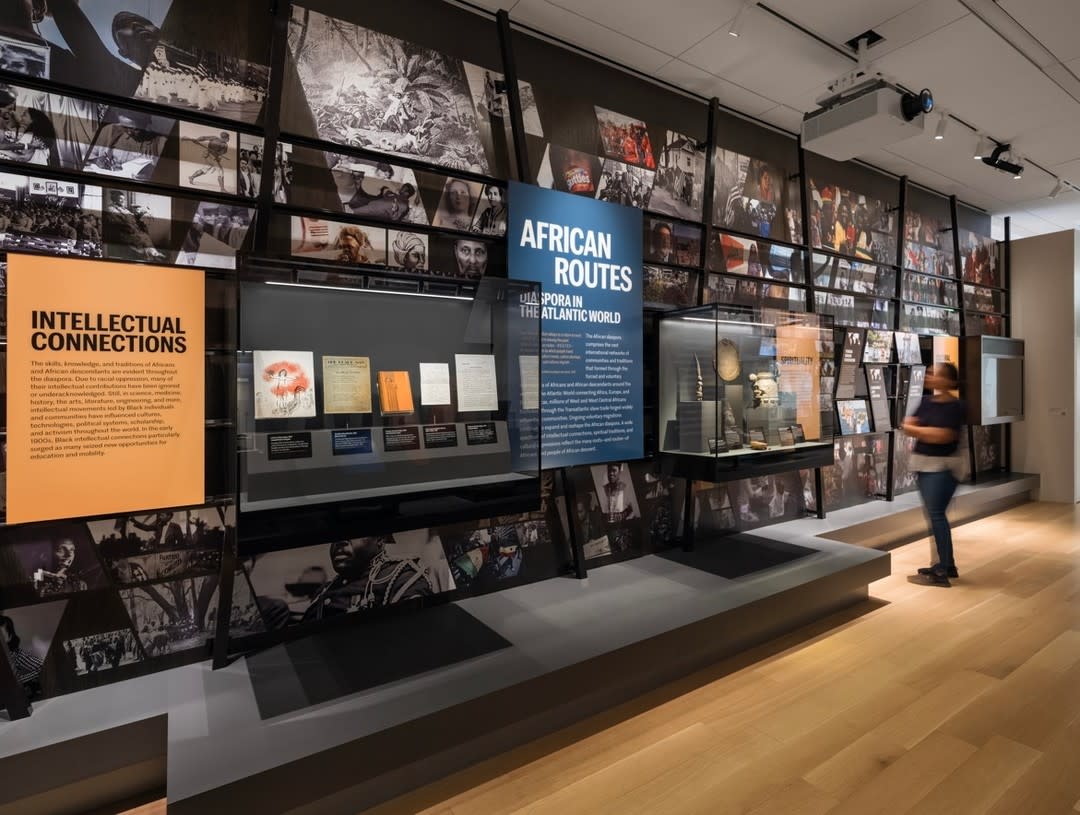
point(353, 396)
point(738, 383)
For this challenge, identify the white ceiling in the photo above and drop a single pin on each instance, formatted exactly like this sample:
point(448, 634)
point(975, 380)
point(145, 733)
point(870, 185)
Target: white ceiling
point(1011, 68)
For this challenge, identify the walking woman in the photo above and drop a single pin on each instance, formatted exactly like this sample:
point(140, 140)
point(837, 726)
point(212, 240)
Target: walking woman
point(936, 429)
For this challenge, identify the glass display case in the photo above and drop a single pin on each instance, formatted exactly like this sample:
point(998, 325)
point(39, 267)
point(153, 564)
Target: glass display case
point(745, 391)
point(384, 408)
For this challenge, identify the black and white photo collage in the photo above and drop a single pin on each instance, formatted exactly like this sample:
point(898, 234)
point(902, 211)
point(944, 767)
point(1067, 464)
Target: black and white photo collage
point(857, 312)
point(920, 319)
point(935, 291)
point(183, 54)
point(85, 599)
point(739, 506)
point(860, 470)
point(319, 583)
point(734, 255)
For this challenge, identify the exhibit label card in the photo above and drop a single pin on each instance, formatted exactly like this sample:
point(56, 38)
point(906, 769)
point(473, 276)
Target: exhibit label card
point(435, 383)
point(850, 360)
point(879, 397)
point(529, 368)
point(284, 384)
point(588, 257)
point(477, 389)
point(105, 380)
point(346, 384)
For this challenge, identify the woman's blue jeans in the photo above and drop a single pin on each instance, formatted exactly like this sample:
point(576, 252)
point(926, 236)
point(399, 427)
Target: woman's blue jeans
point(937, 490)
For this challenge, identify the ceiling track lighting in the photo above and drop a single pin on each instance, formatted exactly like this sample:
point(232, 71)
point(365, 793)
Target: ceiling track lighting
point(943, 123)
point(1058, 188)
point(984, 147)
point(997, 159)
point(737, 24)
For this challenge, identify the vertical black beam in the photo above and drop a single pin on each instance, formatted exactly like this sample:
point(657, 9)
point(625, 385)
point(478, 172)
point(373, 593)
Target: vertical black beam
point(227, 576)
point(279, 48)
point(808, 252)
point(12, 693)
point(811, 294)
point(1006, 302)
point(688, 517)
point(953, 211)
point(513, 96)
point(708, 198)
point(577, 552)
point(898, 292)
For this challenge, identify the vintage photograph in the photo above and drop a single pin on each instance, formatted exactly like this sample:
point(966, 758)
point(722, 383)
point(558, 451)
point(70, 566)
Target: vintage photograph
point(748, 195)
point(55, 217)
point(137, 226)
point(284, 384)
point(163, 545)
point(354, 244)
point(250, 168)
point(854, 416)
point(489, 96)
point(767, 499)
point(174, 616)
point(56, 559)
point(100, 45)
point(460, 258)
point(625, 184)
point(29, 632)
point(679, 187)
point(852, 224)
point(101, 652)
point(878, 347)
point(129, 144)
point(482, 557)
point(491, 213)
point(625, 138)
point(368, 89)
point(407, 251)
point(978, 255)
point(215, 236)
point(46, 129)
point(377, 190)
point(196, 79)
point(669, 287)
point(321, 582)
point(24, 57)
point(569, 170)
point(208, 158)
point(457, 204)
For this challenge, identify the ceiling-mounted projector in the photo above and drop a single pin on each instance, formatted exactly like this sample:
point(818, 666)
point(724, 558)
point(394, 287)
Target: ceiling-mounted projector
point(862, 113)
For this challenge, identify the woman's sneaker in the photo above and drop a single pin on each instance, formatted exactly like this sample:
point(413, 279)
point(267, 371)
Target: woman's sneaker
point(953, 573)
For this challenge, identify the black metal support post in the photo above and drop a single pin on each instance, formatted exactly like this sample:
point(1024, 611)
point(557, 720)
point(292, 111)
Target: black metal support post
point(1006, 328)
point(688, 536)
point(513, 96)
point(708, 199)
point(577, 552)
point(898, 293)
point(279, 49)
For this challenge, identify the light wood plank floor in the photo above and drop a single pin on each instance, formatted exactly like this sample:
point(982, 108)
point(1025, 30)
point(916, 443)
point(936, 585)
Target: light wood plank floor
point(923, 700)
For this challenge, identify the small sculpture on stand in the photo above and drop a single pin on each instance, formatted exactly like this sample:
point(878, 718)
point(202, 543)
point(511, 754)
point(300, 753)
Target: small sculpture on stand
point(765, 389)
point(699, 388)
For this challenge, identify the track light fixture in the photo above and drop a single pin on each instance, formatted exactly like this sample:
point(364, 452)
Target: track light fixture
point(740, 18)
point(1058, 188)
point(983, 148)
point(943, 123)
point(998, 161)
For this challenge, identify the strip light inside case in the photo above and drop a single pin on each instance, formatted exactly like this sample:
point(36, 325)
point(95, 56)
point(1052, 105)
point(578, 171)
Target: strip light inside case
point(367, 291)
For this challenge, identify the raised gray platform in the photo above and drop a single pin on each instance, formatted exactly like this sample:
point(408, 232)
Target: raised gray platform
point(576, 647)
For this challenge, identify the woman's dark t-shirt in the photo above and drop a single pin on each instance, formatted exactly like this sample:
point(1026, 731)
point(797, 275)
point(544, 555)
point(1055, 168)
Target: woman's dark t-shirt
point(950, 414)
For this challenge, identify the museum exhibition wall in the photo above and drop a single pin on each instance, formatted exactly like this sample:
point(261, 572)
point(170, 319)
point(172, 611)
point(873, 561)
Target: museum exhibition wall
point(285, 353)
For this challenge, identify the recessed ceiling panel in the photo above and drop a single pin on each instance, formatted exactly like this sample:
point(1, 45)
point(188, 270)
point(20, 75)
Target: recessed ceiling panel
point(1054, 23)
point(692, 78)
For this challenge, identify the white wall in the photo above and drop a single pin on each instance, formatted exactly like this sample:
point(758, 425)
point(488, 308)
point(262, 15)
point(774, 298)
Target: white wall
point(1045, 287)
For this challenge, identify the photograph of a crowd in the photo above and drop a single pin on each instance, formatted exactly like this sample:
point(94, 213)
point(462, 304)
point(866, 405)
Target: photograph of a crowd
point(749, 197)
point(858, 312)
point(859, 471)
point(739, 506)
point(852, 224)
point(935, 291)
point(979, 257)
point(669, 287)
point(920, 319)
point(928, 245)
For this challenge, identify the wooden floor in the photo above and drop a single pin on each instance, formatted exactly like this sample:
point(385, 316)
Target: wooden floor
point(924, 700)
